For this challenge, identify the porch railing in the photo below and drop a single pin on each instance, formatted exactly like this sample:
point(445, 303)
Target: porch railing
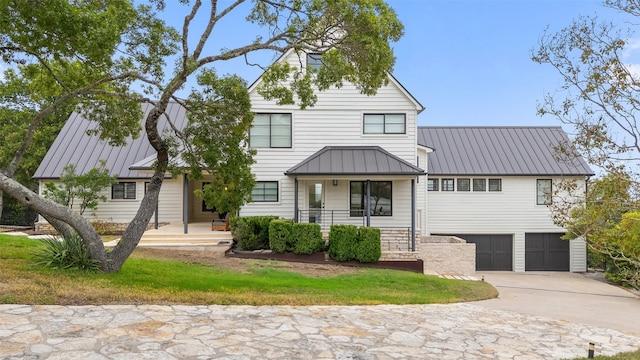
point(394, 238)
point(326, 218)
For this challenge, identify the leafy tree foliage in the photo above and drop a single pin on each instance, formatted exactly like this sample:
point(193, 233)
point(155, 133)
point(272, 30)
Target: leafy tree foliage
point(57, 39)
point(85, 188)
point(610, 222)
point(600, 99)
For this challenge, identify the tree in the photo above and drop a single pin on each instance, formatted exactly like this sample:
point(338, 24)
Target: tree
point(600, 99)
point(354, 37)
point(86, 188)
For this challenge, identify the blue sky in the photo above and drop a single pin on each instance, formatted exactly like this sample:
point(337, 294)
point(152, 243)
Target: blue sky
point(468, 62)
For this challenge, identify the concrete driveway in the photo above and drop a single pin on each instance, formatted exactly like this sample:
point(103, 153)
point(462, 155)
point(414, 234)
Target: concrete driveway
point(566, 296)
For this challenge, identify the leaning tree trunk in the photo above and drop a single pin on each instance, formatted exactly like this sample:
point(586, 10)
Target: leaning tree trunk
point(59, 215)
point(138, 225)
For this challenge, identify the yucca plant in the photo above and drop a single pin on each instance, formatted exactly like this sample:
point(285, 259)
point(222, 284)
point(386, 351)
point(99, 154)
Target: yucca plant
point(68, 253)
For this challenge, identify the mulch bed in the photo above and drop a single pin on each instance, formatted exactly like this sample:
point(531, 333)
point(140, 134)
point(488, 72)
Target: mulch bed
point(322, 258)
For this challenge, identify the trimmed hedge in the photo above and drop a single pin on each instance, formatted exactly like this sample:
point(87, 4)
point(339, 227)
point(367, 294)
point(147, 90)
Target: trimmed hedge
point(280, 239)
point(368, 248)
point(251, 232)
point(307, 238)
point(342, 242)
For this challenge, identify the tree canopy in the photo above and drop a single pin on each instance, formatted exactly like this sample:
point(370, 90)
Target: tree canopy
point(104, 57)
point(600, 100)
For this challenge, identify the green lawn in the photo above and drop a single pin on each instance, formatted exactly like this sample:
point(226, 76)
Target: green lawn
point(635, 355)
point(155, 281)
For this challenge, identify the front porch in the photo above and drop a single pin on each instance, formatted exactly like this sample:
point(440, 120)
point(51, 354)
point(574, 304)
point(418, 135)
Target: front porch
point(200, 237)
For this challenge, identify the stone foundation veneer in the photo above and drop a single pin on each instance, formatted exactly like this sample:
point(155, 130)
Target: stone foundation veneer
point(447, 255)
point(396, 244)
point(104, 228)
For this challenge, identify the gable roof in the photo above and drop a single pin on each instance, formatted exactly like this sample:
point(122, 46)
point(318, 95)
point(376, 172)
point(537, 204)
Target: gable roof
point(392, 80)
point(354, 160)
point(498, 151)
point(74, 146)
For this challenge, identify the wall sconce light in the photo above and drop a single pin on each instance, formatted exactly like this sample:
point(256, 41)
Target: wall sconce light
point(335, 182)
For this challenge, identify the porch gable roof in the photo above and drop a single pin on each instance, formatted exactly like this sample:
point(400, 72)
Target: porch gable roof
point(354, 160)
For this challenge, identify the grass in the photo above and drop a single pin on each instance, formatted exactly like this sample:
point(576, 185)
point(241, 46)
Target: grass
point(155, 281)
point(634, 355)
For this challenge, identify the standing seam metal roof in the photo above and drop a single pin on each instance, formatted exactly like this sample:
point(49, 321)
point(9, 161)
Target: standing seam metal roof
point(498, 151)
point(74, 146)
point(354, 160)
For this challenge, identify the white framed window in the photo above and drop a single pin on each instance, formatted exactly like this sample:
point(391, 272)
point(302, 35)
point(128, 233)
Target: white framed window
point(479, 184)
point(270, 131)
point(543, 191)
point(384, 124)
point(432, 184)
point(265, 191)
point(123, 190)
point(448, 184)
point(464, 184)
point(314, 61)
point(495, 184)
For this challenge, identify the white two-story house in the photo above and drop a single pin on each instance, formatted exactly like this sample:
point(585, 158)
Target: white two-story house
point(363, 160)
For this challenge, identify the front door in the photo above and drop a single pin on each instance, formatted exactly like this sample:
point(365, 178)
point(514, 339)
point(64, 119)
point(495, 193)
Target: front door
point(316, 201)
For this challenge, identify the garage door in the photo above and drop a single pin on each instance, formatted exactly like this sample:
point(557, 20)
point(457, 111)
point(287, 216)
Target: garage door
point(493, 252)
point(546, 252)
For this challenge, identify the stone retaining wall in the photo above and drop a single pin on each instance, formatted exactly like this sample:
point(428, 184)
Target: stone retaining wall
point(447, 255)
point(396, 244)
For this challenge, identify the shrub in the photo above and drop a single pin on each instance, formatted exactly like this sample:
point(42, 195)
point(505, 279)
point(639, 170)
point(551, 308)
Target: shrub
point(368, 249)
point(280, 239)
point(307, 238)
point(68, 253)
point(251, 232)
point(342, 242)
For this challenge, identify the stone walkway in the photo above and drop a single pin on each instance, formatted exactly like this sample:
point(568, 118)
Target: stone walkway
point(456, 331)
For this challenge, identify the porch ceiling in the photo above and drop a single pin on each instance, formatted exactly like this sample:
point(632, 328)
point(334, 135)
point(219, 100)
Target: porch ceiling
point(354, 160)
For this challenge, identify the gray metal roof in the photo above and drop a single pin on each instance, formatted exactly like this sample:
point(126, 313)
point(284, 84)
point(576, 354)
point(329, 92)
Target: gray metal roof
point(498, 151)
point(354, 160)
point(74, 146)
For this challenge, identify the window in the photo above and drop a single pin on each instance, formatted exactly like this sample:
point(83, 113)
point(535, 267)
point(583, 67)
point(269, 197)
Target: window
point(314, 61)
point(479, 184)
point(448, 185)
point(380, 198)
point(265, 191)
point(123, 190)
point(384, 124)
point(495, 184)
point(432, 184)
point(543, 191)
point(464, 184)
point(270, 131)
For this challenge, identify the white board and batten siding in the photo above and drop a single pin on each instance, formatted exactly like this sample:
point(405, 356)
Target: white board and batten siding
point(512, 211)
point(123, 210)
point(335, 120)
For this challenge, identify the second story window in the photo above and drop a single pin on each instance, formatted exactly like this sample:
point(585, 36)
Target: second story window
point(314, 61)
point(384, 124)
point(543, 191)
point(271, 131)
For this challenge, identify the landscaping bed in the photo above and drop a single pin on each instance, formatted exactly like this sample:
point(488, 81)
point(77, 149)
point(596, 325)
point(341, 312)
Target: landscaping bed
point(323, 258)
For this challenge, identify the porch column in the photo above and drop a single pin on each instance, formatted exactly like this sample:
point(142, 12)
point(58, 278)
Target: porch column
point(185, 203)
point(368, 203)
point(295, 200)
point(413, 214)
